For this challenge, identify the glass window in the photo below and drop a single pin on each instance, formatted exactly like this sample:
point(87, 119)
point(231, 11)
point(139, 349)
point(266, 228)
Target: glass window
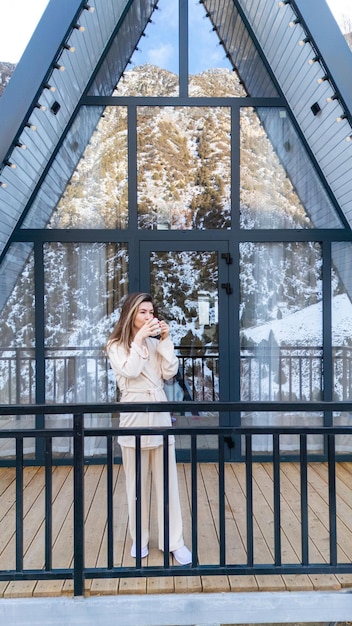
point(17, 342)
point(84, 284)
point(281, 329)
point(17, 332)
point(97, 193)
point(206, 54)
point(288, 444)
point(184, 168)
point(86, 186)
point(155, 61)
point(185, 287)
point(341, 311)
point(279, 187)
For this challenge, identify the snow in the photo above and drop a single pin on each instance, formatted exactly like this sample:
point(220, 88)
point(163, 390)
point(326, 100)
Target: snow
point(304, 327)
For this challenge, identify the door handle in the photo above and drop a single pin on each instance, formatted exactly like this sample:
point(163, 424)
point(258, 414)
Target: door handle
point(227, 256)
point(227, 287)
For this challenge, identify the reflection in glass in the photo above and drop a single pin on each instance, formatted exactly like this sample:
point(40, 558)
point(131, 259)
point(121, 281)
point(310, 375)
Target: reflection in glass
point(159, 49)
point(279, 187)
point(8, 446)
point(97, 193)
point(17, 334)
point(185, 289)
point(223, 83)
point(281, 324)
point(288, 443)
point(184, 168)
point(84, 284)
point(62, 167)
point(17, 342)
point(205, 51)
point(343, 442)
point(341, 313)
point(147, 81)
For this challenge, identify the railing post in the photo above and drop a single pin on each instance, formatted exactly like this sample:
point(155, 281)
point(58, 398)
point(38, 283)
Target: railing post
point(194, 501)
point(48, 503)
point(110, 503)
point(19, 504)
point(166, 499)
point(304, 499)
point(18, 376)
point(222, 525)
point(78, 504)
point(332, 499)
point(138, 496)
point(277, 499)
point(249, 501)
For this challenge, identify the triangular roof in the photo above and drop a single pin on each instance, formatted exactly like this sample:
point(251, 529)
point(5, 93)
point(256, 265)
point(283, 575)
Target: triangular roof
point(261, 47)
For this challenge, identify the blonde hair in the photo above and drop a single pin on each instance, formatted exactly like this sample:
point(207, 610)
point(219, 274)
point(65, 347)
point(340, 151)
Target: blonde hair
point(123, 331)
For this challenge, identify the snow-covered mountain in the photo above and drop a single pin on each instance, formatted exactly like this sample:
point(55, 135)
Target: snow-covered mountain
point(305, 326)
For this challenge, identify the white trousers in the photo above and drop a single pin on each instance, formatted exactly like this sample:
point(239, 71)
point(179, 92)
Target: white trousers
point(152, 461)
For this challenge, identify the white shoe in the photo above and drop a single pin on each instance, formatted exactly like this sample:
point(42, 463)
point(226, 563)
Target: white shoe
point(144, 551)
point(182, 555)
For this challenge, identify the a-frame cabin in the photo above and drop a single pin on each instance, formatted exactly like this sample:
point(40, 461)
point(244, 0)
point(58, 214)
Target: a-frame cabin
point(134, 157)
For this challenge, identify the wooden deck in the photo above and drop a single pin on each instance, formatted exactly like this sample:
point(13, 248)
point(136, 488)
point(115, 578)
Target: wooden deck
point(95, 529)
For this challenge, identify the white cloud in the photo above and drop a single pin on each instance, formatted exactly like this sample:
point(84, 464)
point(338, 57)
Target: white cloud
point(162, 55)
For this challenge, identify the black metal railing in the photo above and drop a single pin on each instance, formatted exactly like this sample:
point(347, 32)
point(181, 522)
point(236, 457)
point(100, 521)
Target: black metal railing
point(282, 373)
point(82, 374)
point(224, 565)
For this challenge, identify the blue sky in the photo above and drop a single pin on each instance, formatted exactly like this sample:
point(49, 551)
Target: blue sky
point(201, 38)
point(19, 18)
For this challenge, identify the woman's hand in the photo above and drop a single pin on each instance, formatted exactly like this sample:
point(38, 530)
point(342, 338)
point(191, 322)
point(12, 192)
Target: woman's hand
point(149, 329)
point(164, 329)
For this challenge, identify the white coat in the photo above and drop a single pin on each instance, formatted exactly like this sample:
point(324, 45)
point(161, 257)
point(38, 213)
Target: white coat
point(140, 375)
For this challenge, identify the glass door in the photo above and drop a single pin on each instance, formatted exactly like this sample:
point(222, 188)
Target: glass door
point(190, 288)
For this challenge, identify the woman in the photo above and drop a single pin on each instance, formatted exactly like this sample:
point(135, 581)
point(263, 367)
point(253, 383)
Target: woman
point(142, 356)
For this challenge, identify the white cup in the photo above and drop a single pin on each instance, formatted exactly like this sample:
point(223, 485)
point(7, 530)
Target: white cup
point(157, 330)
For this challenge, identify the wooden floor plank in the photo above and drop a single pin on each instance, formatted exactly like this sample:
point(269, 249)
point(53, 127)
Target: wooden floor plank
point(108, 586)
point(8, 508)
point(156, 584)
point(186, 584)
point(262, 533)
point(129, 585)
point(62, 530)
point(20, 589)
point(318, 534)
point(95, 512)
point(208, 531)
point(7, 477)
point(236, 530)
point(344, 511)
point(208, 528)
point(291, 531)
point(33, 483)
